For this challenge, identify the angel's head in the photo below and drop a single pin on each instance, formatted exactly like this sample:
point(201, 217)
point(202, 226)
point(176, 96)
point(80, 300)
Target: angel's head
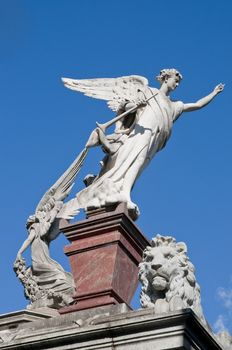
point(30, 221)
point(171, 77)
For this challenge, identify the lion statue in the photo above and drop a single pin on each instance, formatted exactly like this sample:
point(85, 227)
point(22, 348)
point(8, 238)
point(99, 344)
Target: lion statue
point(167, 277)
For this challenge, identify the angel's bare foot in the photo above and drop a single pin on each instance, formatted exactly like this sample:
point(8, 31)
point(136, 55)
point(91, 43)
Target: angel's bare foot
point(133, 210)
point(131, 205)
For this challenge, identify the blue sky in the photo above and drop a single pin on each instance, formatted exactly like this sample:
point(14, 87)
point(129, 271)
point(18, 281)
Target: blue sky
point(186, 190)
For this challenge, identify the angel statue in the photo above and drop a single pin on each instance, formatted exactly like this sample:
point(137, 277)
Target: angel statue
point(143, 125)
point(46, 284)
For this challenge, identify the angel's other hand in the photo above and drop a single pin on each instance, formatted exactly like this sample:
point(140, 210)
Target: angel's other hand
point(142, 103)
point(219, 88)
point(18, 257)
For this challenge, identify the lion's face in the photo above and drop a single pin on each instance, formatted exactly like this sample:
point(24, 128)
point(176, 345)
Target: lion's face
point(164, 263)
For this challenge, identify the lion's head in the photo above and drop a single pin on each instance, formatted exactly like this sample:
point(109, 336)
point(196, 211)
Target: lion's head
point(167, 277)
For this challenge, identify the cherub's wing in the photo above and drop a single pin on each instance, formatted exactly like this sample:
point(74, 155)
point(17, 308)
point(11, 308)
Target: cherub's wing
point(52, 201)
point(116, 91)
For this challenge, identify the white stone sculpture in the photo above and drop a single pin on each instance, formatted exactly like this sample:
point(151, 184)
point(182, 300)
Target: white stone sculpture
point(144, 121)
point(46, 284)
point(168, 279)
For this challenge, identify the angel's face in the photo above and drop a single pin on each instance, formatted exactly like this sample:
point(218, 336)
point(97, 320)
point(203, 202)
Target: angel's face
point(172, 82)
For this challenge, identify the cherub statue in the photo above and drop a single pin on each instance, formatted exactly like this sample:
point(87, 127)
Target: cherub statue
point(46, 284)
point(144, 121)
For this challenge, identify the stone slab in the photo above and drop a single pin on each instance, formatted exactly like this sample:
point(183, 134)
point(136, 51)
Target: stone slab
point(137, 330)
point(15, 319)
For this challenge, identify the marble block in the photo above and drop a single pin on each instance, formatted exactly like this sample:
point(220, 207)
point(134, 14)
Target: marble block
point(104, 254)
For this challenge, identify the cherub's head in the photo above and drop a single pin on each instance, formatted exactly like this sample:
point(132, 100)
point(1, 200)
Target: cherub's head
point(170, 77)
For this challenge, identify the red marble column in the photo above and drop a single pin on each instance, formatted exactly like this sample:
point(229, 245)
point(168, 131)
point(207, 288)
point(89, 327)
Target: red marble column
point(104, 254)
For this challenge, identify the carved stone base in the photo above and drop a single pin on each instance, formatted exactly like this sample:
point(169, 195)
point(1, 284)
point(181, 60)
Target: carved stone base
point(104, 254)
point(112, 327)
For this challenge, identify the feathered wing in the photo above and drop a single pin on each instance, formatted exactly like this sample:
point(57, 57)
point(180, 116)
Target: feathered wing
point(52, 201)
point(69, 209)
point(116, 91)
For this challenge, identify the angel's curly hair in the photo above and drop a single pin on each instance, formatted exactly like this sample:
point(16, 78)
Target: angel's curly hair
point(167, 73)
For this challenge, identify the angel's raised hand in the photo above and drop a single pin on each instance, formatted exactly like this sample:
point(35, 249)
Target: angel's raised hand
point(219, 88)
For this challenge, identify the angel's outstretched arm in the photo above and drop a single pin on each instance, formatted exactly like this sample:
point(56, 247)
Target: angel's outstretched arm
point(26, 243)
point(189, 107)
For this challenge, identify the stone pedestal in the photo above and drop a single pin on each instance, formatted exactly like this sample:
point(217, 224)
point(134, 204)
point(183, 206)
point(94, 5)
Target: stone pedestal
point(104, 254)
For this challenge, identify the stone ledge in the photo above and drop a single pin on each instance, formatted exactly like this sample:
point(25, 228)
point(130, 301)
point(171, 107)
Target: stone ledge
point(15, 319)
point(137, 330)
